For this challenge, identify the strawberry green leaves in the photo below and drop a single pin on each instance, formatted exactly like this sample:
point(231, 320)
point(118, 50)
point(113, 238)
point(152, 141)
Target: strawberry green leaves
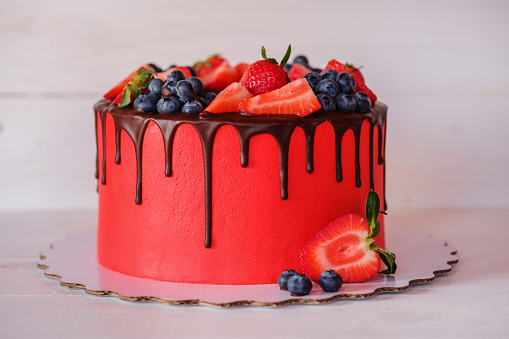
point(134, 87)
point(372, 211)
point(274, 61)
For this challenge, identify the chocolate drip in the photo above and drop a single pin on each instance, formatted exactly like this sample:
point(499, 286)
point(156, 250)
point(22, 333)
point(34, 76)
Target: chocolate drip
point(281, 127)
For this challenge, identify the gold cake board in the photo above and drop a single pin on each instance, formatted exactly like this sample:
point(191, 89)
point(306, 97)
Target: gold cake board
point(73, 261)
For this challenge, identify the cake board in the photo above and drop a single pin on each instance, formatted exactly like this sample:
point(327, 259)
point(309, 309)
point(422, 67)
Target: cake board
point(73, 261)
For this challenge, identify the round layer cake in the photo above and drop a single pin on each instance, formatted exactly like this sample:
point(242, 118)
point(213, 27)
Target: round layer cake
point(228, 198)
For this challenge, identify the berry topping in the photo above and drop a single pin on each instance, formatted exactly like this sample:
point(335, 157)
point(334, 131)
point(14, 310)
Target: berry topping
point(266, 75)
point(185, 91)
point(294, 98)
point(192, 107)
point(134, 87)
point(169, 104)
point(220, 77)
point(175, 76)
point(172, 86)
point(345, 103)
point(360, 86)
point(146, 102)
point(208, 97)
point(346, 82)
point(228, 100)
point(282, 280)
point(164, 75)
point(329, 87)
point(313, 79)
point(346, 245)
point(356, 71)
point(155, 86)
point(299, 284)
point(362, 103)
point(241, 68)
point(330, 281)
point(119, 88)
point(298, 71)
point(327, 103)
point(154, 67)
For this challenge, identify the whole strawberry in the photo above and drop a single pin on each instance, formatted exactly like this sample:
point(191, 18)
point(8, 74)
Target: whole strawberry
point(356, 71)
point(266, 75)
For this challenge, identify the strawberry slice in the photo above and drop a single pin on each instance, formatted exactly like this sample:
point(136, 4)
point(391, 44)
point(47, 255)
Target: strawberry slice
point(241, 67)
point(360, 86)
point(115, 91)
point(346, 246)
point(294, 98)
point(164, 75)
point(220, 78)
point(207, 66)
point(228, 100)
point(298, 71)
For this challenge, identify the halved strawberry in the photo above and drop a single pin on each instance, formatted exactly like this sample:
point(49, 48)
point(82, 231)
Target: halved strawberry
point(346, 246)
point(165, 74)
point(241, 67)
point(220, 78)
point(298, 71)
point(115, 91)
point(294, 98)
point(360, 86)
point(134, 87)
point(228, 100)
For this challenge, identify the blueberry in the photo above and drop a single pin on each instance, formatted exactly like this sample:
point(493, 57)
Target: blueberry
point(301, 59)
point(330, 281)
point(299, 284)
point(346, 82)
point(185, 91)
point(282, 280)
point(313, 80)
point(288, 67)
point(201, 101)
point(155, 67)
point(155, 86)
point(362, 102)
point(168, 105)
point(191, 70)
point(172, 85)
point(197, 84)
point(208, 97)
point(328, 86)
point(192, 107)
point(327, 103)
point(176, 76)
point(331, 74)
point(345, 103)
point(147, 102)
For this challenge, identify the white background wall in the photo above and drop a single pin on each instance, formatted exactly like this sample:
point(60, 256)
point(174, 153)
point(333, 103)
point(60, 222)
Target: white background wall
point(441, 66)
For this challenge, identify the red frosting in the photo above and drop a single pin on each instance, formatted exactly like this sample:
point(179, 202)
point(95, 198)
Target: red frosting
point(255, 234)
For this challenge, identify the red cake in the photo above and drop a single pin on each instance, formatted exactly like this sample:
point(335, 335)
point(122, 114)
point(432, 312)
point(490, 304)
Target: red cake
point(228, 198)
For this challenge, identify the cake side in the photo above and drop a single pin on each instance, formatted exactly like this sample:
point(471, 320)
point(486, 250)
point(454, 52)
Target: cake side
point(228, 199)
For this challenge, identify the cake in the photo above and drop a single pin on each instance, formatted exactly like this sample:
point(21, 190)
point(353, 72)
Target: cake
point(228, 198)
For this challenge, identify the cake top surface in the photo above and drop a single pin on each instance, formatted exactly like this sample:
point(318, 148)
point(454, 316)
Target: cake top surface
point(264, 87)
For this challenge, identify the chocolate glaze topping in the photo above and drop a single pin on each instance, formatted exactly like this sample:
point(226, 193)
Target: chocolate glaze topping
point(281, 127)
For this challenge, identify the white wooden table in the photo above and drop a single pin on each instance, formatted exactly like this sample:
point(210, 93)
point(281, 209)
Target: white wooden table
point(470, 301)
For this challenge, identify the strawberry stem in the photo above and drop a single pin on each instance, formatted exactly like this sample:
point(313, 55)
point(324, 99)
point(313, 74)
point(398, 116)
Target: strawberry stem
point(140, 80)
point(274, 61)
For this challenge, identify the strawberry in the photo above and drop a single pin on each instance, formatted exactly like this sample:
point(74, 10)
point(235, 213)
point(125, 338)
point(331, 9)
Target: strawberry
point(346, 245)
point(220, 78)
point(298, 71)
point(356, 71)
point(360, 86)
point(163, 75)
point(266, 75)
point(115, 91)
point(228, 100)
point(241, 68)
point(297, 98)
point(134, 87)
point(207, 66)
